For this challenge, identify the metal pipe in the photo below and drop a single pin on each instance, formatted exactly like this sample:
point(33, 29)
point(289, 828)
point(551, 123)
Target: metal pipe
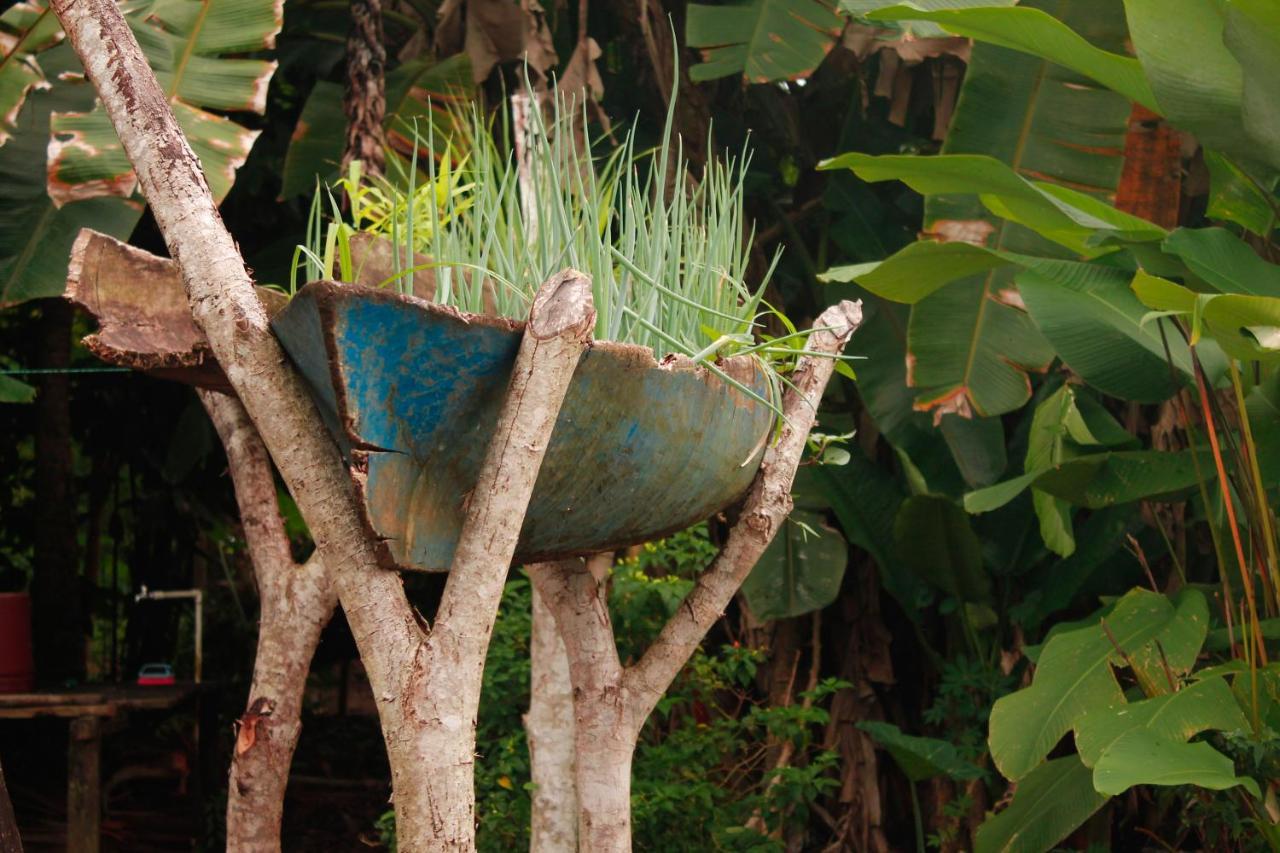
point(197, 596)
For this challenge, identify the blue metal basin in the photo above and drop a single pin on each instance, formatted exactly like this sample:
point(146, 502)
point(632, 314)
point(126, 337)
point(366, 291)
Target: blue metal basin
point(411, 391)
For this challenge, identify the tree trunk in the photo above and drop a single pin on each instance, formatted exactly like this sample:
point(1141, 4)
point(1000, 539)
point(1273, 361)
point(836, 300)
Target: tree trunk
point(296, 603)
point(365, 100)
point(611, 703)
point(550, 730)
point(604, 732)
point(448, 684)
point(427, 686)
point(57, 615)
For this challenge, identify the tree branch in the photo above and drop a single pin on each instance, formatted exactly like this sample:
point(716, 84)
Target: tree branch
point(768, 504)
point(444, 692)
point(296, 602)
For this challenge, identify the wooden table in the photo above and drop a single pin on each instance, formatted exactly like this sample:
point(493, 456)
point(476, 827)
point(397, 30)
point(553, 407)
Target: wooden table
point(87, 708)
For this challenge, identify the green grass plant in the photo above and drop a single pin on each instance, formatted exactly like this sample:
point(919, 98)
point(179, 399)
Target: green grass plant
point(667, 251)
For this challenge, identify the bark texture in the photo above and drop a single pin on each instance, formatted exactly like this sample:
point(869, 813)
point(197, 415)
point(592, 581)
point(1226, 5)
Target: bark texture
point(550, 730)
point(611, 702)
point(296, 602)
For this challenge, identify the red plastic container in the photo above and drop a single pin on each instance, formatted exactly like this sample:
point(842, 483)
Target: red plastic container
point(17, 672)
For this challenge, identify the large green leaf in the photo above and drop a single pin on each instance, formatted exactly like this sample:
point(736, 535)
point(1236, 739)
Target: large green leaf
point(1085, 310)
point(418, 92)
point(761, 40)
point(799, 572)
point(1246, 327)
point(970, 350)
point(915, 28)
point(1060, 429)
point(185, 42)
point(14, 391)
point(920, 758)
point(1224, 260)
point(1141, 757)
point(1099, 480)
point(1203, 96)
point(1048, 805)
point(882, 386)
point(865, 500)
point(1034, 31)
point(1099, 555)
point(1060, 139)
point(1063, 214)
point(1107, 479)
point(1074, 677)
point(1236, 196)
point(925, 266)
point(933, 537)
point(1095, 323)
point(1263, 407)
point(25, 29)
point(1252, 34)
point(1202, 706)
point(35, 236)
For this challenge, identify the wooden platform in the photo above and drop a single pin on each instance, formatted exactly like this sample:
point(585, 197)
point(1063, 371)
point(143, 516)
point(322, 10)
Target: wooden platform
point(86, 708)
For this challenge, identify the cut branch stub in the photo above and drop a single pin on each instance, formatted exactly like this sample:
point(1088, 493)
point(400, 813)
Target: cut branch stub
point(563, 307)
point(144, 321)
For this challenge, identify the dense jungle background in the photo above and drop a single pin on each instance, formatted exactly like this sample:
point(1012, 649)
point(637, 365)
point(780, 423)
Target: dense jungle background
point(1060, 410)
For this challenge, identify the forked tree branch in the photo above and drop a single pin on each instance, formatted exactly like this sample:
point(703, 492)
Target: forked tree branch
point(767, 505)
point(611, 702)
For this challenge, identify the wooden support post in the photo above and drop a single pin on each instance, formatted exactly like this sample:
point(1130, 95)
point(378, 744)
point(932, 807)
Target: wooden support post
point(84, 800)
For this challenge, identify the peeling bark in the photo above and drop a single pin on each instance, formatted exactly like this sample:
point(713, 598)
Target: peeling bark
point(611, 703)
point(296, 603)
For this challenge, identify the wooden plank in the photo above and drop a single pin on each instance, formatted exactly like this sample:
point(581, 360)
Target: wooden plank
point(51, 697)
point(411, 390)
point(29, 712)
point(84, 775)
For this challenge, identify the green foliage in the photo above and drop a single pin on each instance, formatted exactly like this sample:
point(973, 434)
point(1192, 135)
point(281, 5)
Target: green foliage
point(1074, 674)
point(315, 149)
point(799, 572)
point(36, 236)
point(689, 791)
point(186, 42)
point(761, 40)
point(667, 268)
point(921, 758)
point(15, 391)
point(1050, 802)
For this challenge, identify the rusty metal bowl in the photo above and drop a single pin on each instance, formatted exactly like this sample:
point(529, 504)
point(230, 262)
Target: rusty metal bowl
point(411, 391)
